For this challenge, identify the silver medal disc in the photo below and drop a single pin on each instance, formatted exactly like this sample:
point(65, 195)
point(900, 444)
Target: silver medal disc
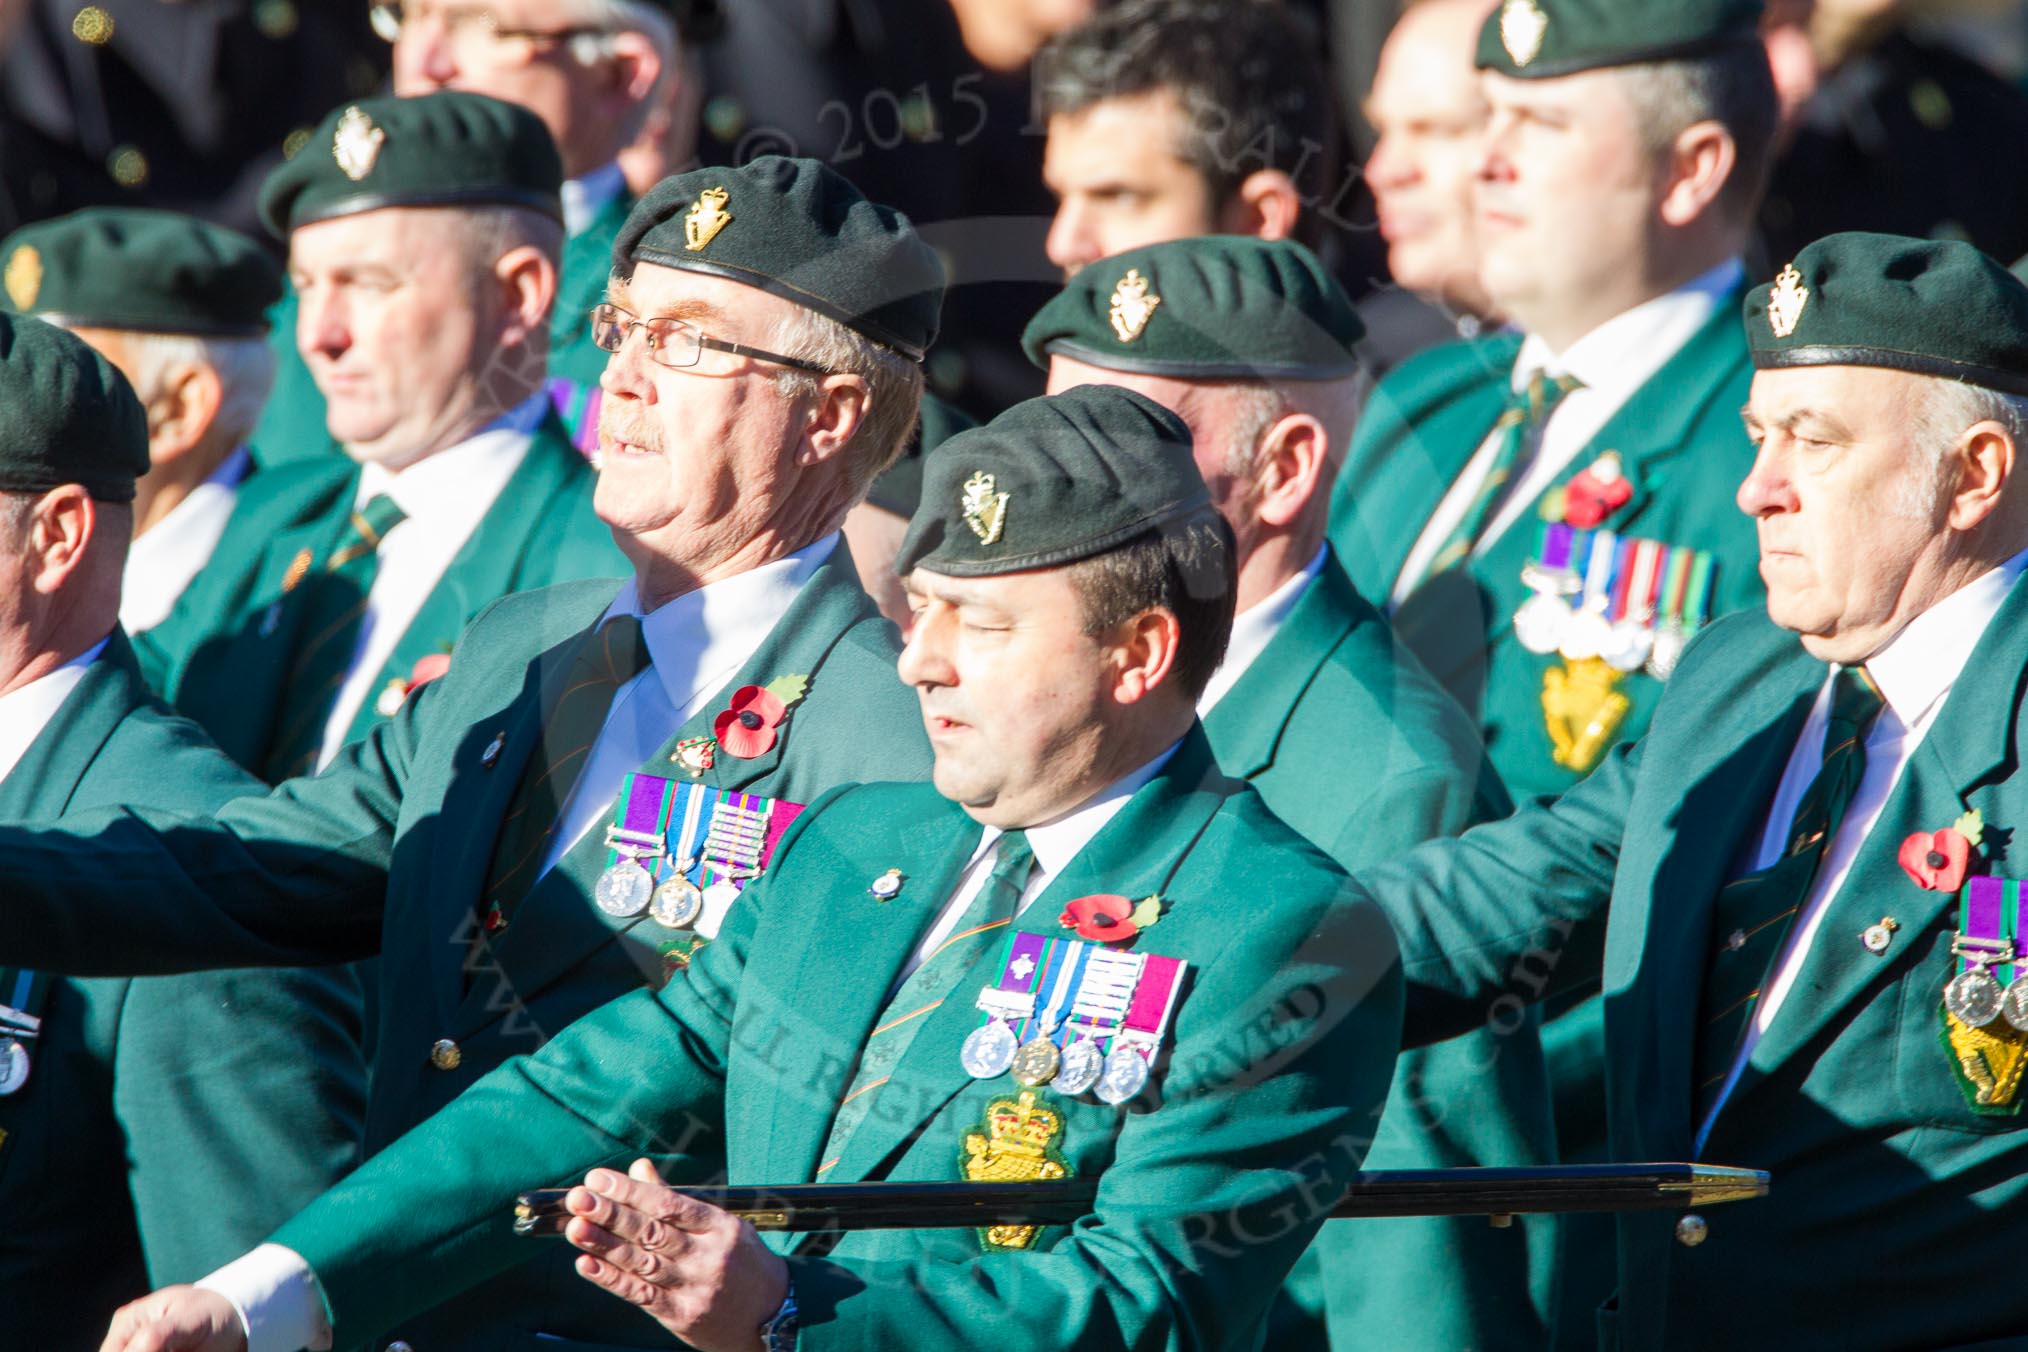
point(2014, 1004)
point(1585, 636)
point(1083, 1063)
point(677, 904)
point(1126, 1074)
point(1540, 622)
point(1669, 641)
point(624, 889)
point(1975, 997)
point(1629, 646)
point(13, 1065)
point(989, 1051)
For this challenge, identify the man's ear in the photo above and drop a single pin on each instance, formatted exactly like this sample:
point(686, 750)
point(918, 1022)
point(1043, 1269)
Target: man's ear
point(527, 280)
point(1985, 458)
point(1266, 206)
point(836, 416)
point(1702, 160)
point(1144, 651)
point(181, 413)
point(1288, 466)
point(64, 521)
point(636, 66)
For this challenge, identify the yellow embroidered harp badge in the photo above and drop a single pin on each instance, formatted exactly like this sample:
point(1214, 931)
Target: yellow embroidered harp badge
point(1018, 1146)
point(985, 510)
point(706, 219)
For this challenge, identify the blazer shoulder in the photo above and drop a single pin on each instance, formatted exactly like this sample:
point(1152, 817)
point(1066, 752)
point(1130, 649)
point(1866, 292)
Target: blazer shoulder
point(1442, 370)
point(294, 490)
point(156, 758)
point(1736, 648)
point(538, 617)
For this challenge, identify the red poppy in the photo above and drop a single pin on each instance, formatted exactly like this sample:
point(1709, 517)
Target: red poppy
point(1103, 918)
point(747, 728)
point(427, 668)
point(1589, 498)
point(1936, 860)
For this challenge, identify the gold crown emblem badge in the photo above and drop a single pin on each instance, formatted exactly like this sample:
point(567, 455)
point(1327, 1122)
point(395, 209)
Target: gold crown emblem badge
point(24, 276)
point(1133, 305)
point(1785, 303)
point(356, 144)
point(1522, 27)
point(707, 217)
point(1018, 1146)
point(985, 510)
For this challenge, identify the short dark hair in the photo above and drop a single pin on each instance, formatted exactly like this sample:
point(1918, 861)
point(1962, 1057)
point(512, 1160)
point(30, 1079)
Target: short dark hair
point(1189, 568)
point(1734, 87)
point(1248, 73)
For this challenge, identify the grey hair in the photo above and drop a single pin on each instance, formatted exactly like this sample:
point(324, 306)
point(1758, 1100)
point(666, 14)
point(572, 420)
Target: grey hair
point(1733, 87)
point(894, 387)
point(245, 368)
point(1944, 411)
point(487, 233)
point(625, 16)
point(1260, 404)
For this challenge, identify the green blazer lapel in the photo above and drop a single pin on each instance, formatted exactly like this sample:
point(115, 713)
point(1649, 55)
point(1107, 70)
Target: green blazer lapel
point(42, 782)
point(1136, 854)
point(1248, 722)
point(1958, 766)
point(491, 564)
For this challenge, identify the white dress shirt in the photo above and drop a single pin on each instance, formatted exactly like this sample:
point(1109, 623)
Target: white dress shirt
point(696, 643)
point(1915, 673)
point(24, 713)
point(1613, 361)
point(445, 496)
point(1254, 628)
point(161, 563)
point(586, 196)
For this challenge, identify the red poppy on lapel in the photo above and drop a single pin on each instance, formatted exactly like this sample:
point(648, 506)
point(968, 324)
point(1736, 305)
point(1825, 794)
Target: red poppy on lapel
point(1936, 860)
point(1105, 918)
point(1596, 492)
point(747, 727)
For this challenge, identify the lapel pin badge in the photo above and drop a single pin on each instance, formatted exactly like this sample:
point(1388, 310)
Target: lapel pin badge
point(888, 885)
point(490, 757)
point(1878, 937)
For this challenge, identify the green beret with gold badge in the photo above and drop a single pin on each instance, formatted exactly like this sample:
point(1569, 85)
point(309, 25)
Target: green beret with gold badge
point(141, 270)
point(1213, 307)
point(71, 416)
point(447, 149)
point(1931, 307)
point(800, 230)
point(1543, 39)
point(1051, 481)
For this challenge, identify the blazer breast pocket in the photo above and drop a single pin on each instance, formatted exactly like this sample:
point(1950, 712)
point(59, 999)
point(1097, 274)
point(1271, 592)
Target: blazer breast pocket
point(1949, 1075)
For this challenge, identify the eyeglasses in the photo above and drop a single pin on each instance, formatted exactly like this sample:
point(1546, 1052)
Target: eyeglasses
point(676, 343)
point(473, 35)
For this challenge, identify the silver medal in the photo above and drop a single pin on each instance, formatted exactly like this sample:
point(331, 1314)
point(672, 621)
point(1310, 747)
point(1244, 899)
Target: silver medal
point(1082, 1065)
point(1629, 645)
point(1126, 1074)
point(988, 1051)
point(624, 889)
point(1540, 622)
point(2014, 1004)
point(1974, 997)
point(677, 903)
point(13, 1065)
point(1586, 635)
point(1669, 641)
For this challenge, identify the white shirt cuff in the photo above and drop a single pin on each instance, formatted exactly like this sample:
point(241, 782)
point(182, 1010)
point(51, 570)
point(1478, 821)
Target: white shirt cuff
point(281, 1308)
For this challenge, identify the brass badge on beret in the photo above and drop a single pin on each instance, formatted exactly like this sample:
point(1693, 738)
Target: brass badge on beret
point(1785, 303)
point(356, 145)
point(1522, 26)
point(1133, 305)
point(705, 220)
point(985, 510)
point(24, 276)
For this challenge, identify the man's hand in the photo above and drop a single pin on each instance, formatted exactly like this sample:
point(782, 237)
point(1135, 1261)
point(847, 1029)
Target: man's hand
point(704, 1274)
point(176, 1319)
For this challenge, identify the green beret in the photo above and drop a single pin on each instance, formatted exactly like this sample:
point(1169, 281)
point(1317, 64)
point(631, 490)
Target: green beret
point(71, 416)
point(1933, 307)
point(799, 229)
point(1051, 481)
point(1213, 307)
point(447, 149)
point(1542, 39)
point(143, 270)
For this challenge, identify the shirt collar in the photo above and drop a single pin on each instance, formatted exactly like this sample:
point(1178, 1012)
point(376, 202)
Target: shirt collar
point(1920, 664)
point(1619, 356)
point(445, 486)
point(1254, 628)
point(586, 196)
point(1058, 842)
point(731, 615)
point(24, 713)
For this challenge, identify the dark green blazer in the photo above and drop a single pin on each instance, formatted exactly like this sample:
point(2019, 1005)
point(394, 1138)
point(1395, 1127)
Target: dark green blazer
point(1682, 446)
point(223, 655)
point(1347, 739)
point(1886, 1183)
point(1283, 1043)
point(387, 851)
point(168, 1123)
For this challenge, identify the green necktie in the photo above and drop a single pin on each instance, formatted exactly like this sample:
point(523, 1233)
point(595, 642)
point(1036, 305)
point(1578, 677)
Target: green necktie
point(335, 605)
point(909, 1008)
point(1752, 916)
point(1526, 411)
point(608, 660)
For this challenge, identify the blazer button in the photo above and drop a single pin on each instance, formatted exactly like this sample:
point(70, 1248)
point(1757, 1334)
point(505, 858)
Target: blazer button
point(399, 1346)
point(1692, 1231)
point(444, 1055)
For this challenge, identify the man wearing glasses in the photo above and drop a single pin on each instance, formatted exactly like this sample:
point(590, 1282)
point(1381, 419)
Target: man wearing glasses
point(570, 812)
